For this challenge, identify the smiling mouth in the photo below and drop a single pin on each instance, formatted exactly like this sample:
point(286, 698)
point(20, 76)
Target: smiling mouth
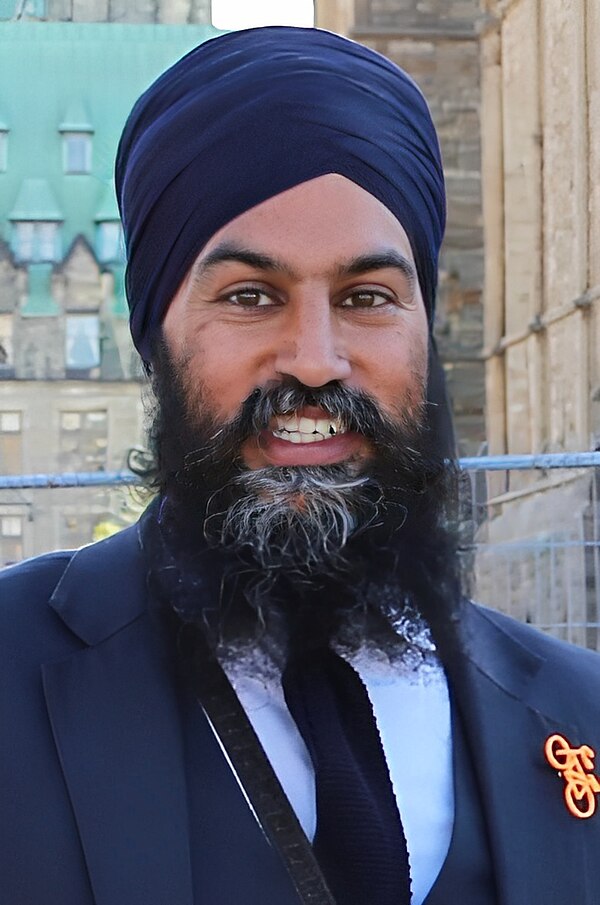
point(301, 429)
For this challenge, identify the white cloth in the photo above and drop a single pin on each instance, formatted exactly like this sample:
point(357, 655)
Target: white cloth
point(412, 712)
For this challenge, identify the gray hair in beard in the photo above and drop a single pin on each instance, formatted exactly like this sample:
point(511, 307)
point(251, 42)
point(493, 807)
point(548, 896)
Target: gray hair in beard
point(296, 520)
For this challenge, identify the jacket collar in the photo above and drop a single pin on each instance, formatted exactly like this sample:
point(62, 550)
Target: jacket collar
point(112, 576)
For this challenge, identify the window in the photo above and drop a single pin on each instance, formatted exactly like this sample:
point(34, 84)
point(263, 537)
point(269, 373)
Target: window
point(11, 539)
point(11, 526)
point(110, 241)
point(3, 149)
point(83, 440)
point(36, 240)
point(10, 422)
point(82, 353)
point(77, 152)
point(11, 443)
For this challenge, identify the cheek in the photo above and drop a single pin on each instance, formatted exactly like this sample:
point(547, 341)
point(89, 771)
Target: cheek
point(223, 367)
point(399, 362)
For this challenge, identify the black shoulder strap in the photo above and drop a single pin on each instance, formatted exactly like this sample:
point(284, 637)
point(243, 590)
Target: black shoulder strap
point(254, 771)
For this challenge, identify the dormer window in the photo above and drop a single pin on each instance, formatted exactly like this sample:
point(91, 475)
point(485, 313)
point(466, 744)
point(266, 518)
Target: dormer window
point(36, 221)
point(36, 241)
point(77, 152)
point(77, 132)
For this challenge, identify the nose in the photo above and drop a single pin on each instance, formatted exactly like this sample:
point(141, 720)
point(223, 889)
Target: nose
point(312, 349)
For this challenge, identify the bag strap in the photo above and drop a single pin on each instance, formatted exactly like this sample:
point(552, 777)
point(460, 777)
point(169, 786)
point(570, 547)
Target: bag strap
point(276, 816)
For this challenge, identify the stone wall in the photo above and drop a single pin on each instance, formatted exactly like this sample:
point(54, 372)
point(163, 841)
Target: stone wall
point(541, 159)
point(541, 132)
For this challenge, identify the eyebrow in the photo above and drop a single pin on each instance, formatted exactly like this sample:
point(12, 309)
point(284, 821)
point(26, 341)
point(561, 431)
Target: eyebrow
point(380, 260)
point(227, 252)
point(377, 260)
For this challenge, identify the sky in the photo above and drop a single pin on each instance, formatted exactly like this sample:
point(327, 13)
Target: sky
point(232, 14)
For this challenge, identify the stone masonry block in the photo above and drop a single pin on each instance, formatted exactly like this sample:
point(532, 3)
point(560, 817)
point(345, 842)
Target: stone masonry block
point(593, 87)
point(567, 389)
point(565, 151)
point(522, 165)
point(518, 427)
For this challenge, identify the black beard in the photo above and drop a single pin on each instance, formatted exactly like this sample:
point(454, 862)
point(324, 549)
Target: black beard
point(309, 548)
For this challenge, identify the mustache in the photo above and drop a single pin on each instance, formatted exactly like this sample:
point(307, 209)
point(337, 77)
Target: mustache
point(356, 409)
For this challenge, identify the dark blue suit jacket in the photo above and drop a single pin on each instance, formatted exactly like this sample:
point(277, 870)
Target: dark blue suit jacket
point(97, 790)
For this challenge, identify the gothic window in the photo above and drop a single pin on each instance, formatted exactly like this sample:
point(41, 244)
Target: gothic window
point(82, 352)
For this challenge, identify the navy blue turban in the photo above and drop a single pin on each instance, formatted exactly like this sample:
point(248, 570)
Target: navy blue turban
point(250, 114)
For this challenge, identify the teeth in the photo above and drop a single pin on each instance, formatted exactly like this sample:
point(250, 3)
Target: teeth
point(306, 430)
point(287, 423)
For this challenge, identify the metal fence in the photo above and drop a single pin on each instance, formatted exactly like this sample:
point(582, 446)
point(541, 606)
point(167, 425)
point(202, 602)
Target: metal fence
point(531, 528)
point(533, 540)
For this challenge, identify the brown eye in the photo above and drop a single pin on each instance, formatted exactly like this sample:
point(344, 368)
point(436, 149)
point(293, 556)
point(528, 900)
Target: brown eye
point(250, 298)
point(365, 299)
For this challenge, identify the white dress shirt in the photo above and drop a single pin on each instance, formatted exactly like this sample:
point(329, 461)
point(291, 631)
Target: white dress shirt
point(412, 711)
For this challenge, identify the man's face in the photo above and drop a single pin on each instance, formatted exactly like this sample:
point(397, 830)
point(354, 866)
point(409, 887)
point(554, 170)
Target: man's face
point(317, 285)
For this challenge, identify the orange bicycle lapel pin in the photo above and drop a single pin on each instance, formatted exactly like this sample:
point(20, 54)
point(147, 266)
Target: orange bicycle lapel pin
point(575, 765)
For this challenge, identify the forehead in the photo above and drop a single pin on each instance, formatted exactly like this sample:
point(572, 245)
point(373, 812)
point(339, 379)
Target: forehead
point(313, 225)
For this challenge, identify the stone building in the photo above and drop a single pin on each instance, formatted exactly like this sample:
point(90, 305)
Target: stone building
point(69, 377)
point(541, 160)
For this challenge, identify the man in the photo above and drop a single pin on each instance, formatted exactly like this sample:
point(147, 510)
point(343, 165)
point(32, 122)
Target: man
point(294, 589)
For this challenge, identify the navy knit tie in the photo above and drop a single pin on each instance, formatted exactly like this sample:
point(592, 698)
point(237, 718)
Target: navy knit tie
point(359, 842)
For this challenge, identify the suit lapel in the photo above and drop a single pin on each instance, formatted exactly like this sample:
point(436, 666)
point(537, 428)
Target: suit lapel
point(115, 720)
point(116, 727)
point(537, 847)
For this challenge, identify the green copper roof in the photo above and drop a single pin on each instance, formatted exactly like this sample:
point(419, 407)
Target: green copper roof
point(76, 118)
point(107, 208)
point(84, 75)
point(35, 201)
